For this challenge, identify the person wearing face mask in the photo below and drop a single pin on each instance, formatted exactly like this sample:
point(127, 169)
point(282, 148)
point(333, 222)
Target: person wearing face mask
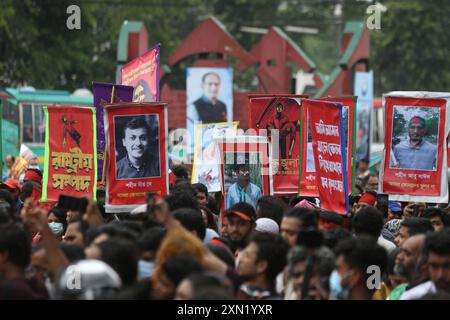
point(350, 279)
point(56, 221)
point(148, 244)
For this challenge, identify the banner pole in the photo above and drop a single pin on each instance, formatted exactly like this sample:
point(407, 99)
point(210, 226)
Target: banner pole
point(113, 92)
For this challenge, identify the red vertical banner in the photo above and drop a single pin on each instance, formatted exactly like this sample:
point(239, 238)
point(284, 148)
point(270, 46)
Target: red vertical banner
point(142, 73)
point(278, 118)
point(137, 161)
point(70, 166)
point(327, 135)
point(414, 147)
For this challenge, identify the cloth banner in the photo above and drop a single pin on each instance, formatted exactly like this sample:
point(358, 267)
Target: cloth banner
point(70, 165)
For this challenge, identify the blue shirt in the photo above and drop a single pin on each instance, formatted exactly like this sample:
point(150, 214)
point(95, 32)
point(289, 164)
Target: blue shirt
point(422, 157)
point(249, 194)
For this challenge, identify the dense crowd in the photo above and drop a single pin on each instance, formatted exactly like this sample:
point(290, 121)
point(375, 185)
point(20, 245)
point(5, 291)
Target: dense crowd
point(183, 246)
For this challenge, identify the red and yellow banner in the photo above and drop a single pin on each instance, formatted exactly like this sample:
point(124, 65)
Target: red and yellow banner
point(70, 166)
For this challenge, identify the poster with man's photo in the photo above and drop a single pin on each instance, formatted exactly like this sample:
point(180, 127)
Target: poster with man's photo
point(137, 160)
point(209, 98)
point(415, 158)
point(245, 168)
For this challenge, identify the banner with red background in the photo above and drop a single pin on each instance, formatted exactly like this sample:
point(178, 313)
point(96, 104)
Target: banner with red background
point(70, 153)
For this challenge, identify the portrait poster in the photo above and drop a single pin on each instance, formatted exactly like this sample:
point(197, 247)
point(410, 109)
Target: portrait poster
point(209, 98)
point(245, 169)
point(278, 118)
point(349, 110)
point(70, 165)
point(415, 156)
point(206, 167)
point(363, 89)
point(136, 160)
point(142, 73)
point(328, 143)
point(106, 93)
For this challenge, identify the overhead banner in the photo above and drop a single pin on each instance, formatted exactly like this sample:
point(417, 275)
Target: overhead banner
point(206, 167)
point(278, 118)
point(415, 157)
point(106, 93)
point(142, 73)
point(136, 139)
point(70, 165)
point(328, 143)
point(363, 89)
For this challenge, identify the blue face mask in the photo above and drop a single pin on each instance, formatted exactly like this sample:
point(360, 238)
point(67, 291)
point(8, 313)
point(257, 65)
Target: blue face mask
point(336, 290)
point(57, 228)
point(145, 269)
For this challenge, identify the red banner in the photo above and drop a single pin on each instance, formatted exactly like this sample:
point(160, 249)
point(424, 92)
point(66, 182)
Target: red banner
point(142, 73)
point(70, 153)
point(136, 154)
point(278, 118)
point(414, 146)
point(327, 133)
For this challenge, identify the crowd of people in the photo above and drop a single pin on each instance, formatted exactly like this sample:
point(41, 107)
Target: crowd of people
point(183, 246)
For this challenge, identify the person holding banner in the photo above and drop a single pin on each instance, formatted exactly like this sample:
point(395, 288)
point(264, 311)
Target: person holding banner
point(415, 153)
point(138, 162)
point(243, 190)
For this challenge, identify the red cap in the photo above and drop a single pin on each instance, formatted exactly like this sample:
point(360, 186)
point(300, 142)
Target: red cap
point(368, 198)
point(12, 184)
point(31, 175)
point(241, 215)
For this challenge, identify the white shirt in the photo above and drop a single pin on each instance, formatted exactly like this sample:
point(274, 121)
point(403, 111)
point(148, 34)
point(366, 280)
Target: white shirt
point(419, 291)
point(386, 244)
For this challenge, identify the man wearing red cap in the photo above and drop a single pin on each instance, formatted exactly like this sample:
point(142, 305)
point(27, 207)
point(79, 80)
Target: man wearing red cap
point(415, 152)
point(241, 222)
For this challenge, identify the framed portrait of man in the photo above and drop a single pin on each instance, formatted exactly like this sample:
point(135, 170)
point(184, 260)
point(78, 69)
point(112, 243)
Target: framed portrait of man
point(209, 97)
point(415, 143)
point(244, 169)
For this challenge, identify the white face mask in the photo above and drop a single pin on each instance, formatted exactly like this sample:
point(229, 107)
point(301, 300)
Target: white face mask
point(57, 228)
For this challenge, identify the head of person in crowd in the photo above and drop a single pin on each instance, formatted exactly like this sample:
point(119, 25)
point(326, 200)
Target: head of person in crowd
point(414, 209)
point(353, 258)
point(13, 187)
point(57, 220)
point(267, 225)
point(224, 225)
point(368, 221)
point(293, 221)
point(241, 222)
point(362, 168)
point(148, 245)
point(368, 199)
point(353, 202)
point(212, 204)
point(223, 252)
point(394, 210)
point(322, 260)
point(192, 220)
point(201, 283)
point(260, 262)
point(182, 195)
point(270, 207)
point(7, 202)
point(209, 218)
point(30, 189)
point(437, 255)
point(329, 220)
point(439, 218)
point(410, 262)
point(173, 271)
point(181, 174)
point(333, 236)
point(33, 175)
point(202, 193)
point(412, 226)
point(98, 281)
point(116, 229)
point(359, 186)
point(393, 279)
point(243, 175)
point(371, 182)
point(76, 232)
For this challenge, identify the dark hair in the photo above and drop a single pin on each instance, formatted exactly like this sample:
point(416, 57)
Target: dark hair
point(5, 214)
point(332, 217)
point(210, 218)
point(61, 214)
point(73, 252)
point(209, 286)
point(182, 195)
point(270, 207)
point(83, 227)
point(177, 268)
point(417, 225)
point(16, 242)
point(27, 189)
point(212, 205)
point(122, 256)
point(273, 249)
point(180, 172)
point(392, 256)
point(436, 212)
point(362, 252)
point(200, 188)
point(334, 236)
point(11, 156)
point(113, 230)
point(245, 208)
point(209, 74)
point(368, 220)
point(151, 239)
point(223, 253)
point(192, 220)
point(437, 243)
point(308, 217)
point(7, 197)
point(136, 123)
point(242, 167)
